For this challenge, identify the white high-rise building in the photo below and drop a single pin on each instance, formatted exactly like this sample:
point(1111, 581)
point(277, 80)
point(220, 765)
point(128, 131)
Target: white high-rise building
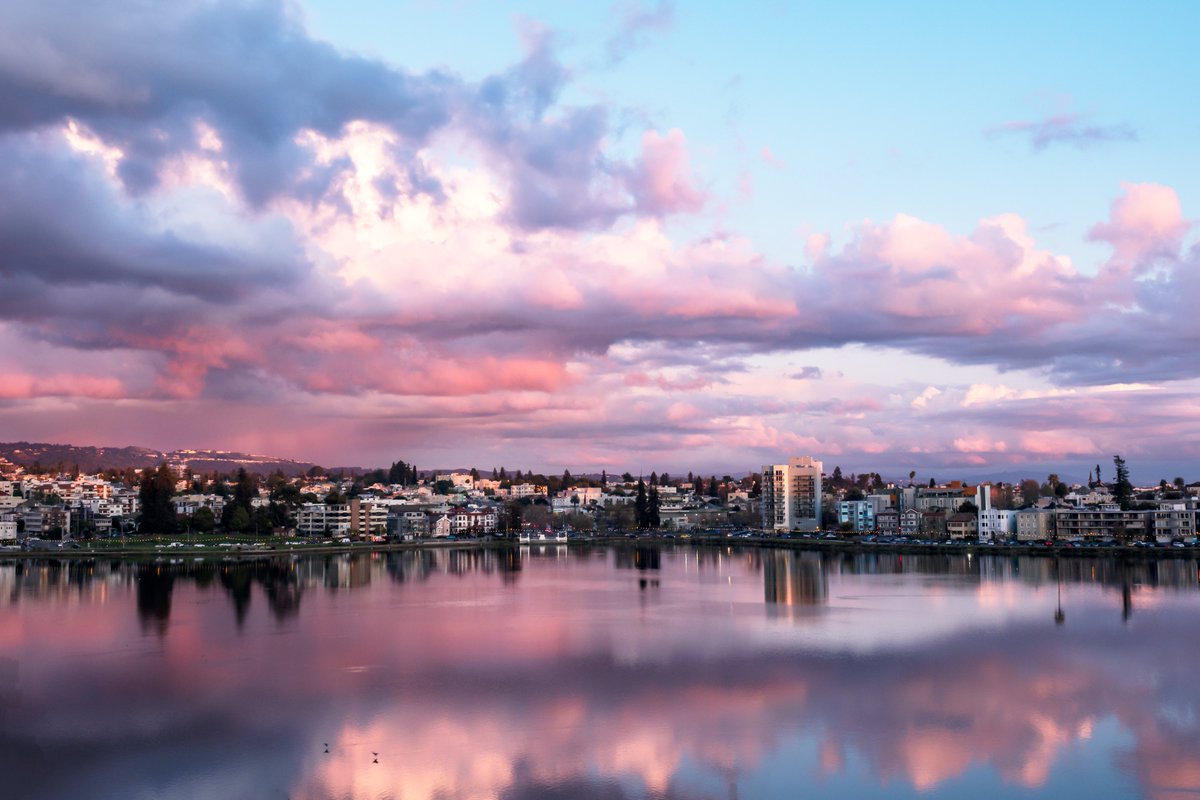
point(791, 495)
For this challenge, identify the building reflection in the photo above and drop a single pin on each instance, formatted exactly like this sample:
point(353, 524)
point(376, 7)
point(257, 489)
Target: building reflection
point(533, 700)
point(794, 578)
point(791, 578)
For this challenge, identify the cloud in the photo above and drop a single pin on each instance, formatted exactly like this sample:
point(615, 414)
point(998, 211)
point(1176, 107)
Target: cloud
point(1147, 220)
point(636, 21)
point(1071, 130)
point(664, 184)
point(485, 262)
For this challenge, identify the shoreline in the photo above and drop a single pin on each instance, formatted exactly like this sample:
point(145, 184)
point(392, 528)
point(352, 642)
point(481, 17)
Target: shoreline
point(831, 546)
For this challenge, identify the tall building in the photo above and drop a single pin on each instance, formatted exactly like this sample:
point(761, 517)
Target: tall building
point(791, 495)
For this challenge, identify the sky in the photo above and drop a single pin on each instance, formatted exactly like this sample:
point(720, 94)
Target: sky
point(639, 236)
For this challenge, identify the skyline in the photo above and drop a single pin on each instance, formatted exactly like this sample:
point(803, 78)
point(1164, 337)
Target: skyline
point(674, 235)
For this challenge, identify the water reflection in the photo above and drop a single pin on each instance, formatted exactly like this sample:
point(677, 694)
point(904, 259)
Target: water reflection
point(942, 675)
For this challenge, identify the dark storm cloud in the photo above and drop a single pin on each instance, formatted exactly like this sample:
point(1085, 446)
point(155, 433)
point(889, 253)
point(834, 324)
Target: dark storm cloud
point(61, 223)
point(141, 75)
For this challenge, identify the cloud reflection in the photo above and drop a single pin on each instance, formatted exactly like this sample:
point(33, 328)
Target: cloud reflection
point(470, 686)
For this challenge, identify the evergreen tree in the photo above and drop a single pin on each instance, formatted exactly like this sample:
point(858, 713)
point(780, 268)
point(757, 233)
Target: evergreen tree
point(603, 478)
point(154, 495)
point(836, 480)
point(664, 479)
point(653, 520)
point(567, 480)
point(398, 474)
point(1123, 489)
point(641, 505)
point(245, 490)
point(653, 478)
point(503, 474)
point(714, 488)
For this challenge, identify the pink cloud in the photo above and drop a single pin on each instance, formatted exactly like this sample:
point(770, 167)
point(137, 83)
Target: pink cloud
point(26, 386)
point(770, 159)
point(664, 184)
point(1146, 220)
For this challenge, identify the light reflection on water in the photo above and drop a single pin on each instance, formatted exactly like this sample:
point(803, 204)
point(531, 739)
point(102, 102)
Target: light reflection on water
point(543, 672)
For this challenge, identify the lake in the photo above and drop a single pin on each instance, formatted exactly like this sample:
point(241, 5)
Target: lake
point(600, 673)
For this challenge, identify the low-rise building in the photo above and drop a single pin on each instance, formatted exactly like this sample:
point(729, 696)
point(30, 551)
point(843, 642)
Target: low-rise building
point(963, 525)
point(1174, 521)
point(994, 523)
point(8, 527)
point(1103, 522)
point(46, 521)
point(1035, 525)
point(858, 514)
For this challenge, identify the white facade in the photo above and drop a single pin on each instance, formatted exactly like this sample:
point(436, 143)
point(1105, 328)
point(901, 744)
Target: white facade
point(791, 495)
point(994, 523)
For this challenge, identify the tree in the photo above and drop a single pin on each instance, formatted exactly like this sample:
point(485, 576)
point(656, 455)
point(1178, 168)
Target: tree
point(714, 488)
point(664, 479)
point(626, 477)
point(203, 520)
point(653, 519)
point(510, 520)
point(245, 490)
point(836, 479)
point(912, 473)
point(1061, 490)
point(154, 495)
point(239, 520)
point(932, 483)
point(1180, 484)
point(398, 473)
point(1030, 490)
point(1123, 489)
point(567, 480)
point(603, 478)
point(641, 504)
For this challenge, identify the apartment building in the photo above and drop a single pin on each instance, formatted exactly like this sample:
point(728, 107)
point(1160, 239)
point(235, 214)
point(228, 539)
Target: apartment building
point(791, 495)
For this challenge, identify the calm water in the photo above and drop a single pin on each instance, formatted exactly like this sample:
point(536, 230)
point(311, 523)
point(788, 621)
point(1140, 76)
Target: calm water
point(607, 673)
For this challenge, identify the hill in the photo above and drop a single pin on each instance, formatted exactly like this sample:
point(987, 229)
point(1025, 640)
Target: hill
point(93, 459)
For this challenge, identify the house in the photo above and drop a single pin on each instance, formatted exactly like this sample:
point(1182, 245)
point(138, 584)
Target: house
point(962, 525)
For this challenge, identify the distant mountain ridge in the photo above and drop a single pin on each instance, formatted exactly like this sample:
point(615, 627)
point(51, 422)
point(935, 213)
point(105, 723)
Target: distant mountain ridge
point(93, 459)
